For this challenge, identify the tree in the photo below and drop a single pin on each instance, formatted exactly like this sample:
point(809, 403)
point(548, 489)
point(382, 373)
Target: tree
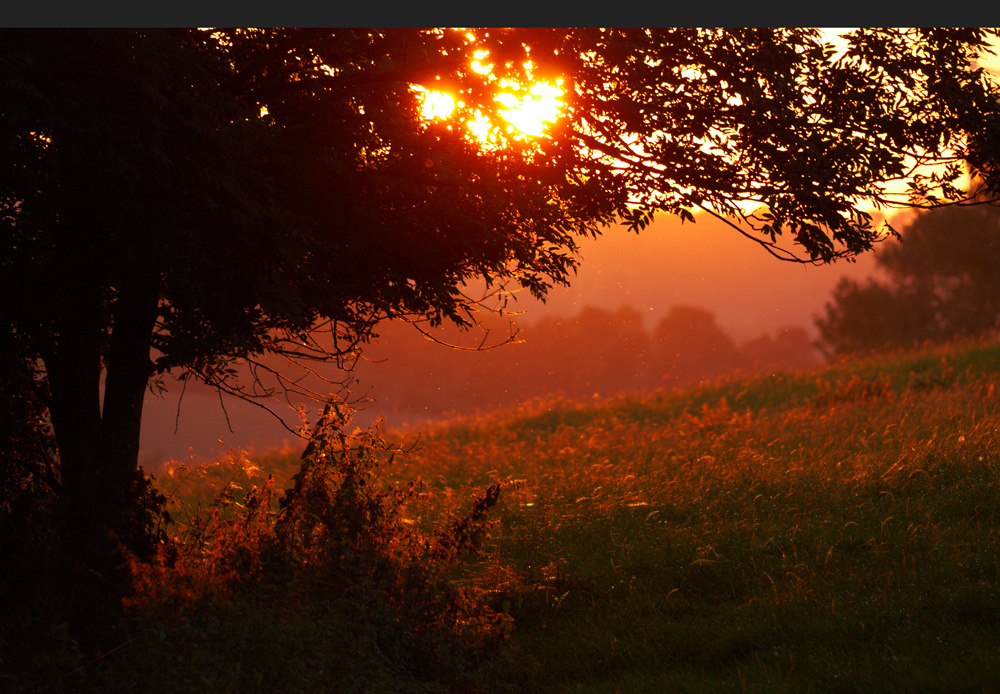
point(688, 346)
point(942, 282)
point(595, 352)
point(791, 348)
point(173, 202)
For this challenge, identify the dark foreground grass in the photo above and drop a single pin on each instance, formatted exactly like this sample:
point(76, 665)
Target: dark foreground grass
point(836, 531)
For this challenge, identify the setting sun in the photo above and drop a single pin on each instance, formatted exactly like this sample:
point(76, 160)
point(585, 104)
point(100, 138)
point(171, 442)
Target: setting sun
point(527, 114)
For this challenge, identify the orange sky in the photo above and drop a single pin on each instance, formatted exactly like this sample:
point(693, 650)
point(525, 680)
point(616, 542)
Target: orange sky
point(704, 264)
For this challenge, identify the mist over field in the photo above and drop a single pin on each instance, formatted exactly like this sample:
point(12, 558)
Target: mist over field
point(706, 266)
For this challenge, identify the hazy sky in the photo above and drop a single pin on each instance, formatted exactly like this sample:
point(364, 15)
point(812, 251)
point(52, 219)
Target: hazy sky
point(705, 264)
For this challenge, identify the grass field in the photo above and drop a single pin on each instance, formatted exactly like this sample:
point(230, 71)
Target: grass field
point(831, 531)
point(834, 531)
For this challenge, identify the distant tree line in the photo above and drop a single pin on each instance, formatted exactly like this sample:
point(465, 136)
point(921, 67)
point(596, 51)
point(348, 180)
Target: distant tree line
point(597, 351)
point(940, 281)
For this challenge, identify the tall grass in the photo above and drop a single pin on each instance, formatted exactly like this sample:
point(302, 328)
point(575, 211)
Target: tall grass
point(830, 531)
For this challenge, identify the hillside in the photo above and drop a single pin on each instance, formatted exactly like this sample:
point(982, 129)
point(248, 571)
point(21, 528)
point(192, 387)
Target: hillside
point(826, 531)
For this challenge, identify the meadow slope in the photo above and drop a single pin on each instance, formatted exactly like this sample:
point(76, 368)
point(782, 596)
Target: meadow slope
point(828, 531)
point(831, 531)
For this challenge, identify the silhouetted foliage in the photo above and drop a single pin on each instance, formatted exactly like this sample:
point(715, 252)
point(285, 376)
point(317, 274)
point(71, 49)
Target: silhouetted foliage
point(942, 282)
point(770, 120)
point(330, 566)
point(29, 483)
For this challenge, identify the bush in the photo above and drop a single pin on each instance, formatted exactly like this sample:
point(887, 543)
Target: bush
point(328, 566)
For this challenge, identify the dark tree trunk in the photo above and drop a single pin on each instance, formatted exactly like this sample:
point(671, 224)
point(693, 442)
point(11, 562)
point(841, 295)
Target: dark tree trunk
point(73, 366)
point(74, 373)
point(99, 515)
point(128, 370)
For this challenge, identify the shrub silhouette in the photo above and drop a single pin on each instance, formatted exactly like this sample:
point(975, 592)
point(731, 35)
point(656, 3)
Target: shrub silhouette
point(335, 544)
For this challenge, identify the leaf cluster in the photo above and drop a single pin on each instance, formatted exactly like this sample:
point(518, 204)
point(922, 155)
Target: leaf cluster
point(773, 129)
point(277, 188)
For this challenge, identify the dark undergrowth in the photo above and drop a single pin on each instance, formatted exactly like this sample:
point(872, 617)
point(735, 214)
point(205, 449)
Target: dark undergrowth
point(318, 588)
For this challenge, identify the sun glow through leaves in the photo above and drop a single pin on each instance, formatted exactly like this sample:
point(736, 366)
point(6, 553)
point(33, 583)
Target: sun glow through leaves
point(436, 104)
point(526, 114)
point(530, 114)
